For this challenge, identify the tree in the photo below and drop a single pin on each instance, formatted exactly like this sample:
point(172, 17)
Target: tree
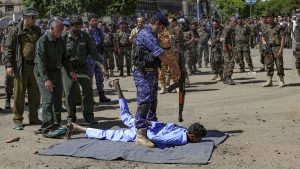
point(229, 8)
point(68, 7)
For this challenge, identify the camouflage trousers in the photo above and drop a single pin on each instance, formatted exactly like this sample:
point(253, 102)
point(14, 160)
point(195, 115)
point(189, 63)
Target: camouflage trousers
point(228, 62)
point(270, 59)
point(164, 71)
point(109, 61)
point(124, 52)
point(216, 60)
point(9, 85)
point(203, 50)
point(190, 57)
point(243, 51)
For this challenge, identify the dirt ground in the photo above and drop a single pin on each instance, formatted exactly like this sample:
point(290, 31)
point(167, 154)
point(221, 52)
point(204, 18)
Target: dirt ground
point(263, 123)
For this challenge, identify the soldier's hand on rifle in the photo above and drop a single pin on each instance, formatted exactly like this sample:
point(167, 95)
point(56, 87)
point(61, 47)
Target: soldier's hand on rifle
point(49, 85)
point(73, 76)
point(10, 71)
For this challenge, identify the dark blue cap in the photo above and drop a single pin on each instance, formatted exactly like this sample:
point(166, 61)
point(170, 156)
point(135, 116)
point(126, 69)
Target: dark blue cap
point(66, 23)
point(160, 17)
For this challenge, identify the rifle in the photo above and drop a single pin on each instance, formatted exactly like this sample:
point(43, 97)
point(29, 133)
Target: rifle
point(181, 85)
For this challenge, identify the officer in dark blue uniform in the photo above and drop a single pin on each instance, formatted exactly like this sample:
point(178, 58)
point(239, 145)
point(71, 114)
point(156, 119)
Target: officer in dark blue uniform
point(146, 59)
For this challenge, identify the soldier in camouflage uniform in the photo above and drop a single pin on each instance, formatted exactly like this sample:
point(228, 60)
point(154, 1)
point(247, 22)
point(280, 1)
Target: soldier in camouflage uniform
point(195, 50)
point(297, 46)
point(216, 59)
point(176, 40)
point(273, 43)
point(9, 81)
point(262, 26)
point(204, 36)
point(164, 39)
point(242, 36)
point(189, 46)
point(124, 48)
point(109, 47)
point(228, 40)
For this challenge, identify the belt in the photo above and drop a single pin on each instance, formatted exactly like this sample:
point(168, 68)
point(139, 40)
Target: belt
point(145, 69)
point(29, 62)
point(168, 48)
point(150, 69)
point(124, 45)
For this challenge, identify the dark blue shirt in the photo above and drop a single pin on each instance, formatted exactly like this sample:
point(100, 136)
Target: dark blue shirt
point(147, 38)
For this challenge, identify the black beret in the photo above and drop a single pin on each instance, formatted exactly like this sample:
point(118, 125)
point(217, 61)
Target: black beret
point(29, 12)
point(75, 20)
point(160, 17)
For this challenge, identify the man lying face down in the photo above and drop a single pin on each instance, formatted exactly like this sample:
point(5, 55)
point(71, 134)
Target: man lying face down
point(161, 135)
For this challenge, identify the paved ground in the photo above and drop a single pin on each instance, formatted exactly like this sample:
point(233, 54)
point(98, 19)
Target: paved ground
point(263, 123)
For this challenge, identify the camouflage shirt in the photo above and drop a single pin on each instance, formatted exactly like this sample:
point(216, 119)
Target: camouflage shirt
point(242, 34)
point(272, 34)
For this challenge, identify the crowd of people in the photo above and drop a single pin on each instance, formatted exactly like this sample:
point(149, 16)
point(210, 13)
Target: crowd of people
point(61, 56)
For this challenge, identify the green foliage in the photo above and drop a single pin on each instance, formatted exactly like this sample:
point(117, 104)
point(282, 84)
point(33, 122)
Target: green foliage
point(229, 8)
point(68, 7)
point(283, 7)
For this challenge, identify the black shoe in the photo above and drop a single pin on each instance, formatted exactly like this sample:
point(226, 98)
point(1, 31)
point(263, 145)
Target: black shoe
point(229, 81)
point(104, 99)
point(92, 122)
point(121, 73)
point(7, 104)
point(128, 71)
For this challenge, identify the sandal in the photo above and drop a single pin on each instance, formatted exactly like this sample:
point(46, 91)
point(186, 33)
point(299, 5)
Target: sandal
point(69, 130)
point(111, 83)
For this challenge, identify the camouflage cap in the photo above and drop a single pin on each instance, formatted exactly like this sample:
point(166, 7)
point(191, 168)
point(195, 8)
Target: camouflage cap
point(29, 12)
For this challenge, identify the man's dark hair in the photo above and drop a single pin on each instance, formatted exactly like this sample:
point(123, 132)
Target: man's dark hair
point(152, 20)
point(91, 16)
point(75, 20)
point(197, 129)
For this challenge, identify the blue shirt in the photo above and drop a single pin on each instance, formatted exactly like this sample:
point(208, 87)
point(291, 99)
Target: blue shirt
point(161, 134)
point(147, 38)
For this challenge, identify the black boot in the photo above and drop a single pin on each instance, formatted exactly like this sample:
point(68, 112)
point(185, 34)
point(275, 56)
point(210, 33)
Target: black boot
point(121, 72)
point(7, 104)
point(228, 80)
point(128, 71)
point(103, 98)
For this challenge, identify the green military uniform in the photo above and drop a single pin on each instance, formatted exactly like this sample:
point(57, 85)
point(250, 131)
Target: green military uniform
point(109, 61)
point(297, 45)
point(272, 34)
point(262, 54)
point(189, 53)
point(242, 36)
point(203, 46)
point(216, 60)
point(125, 50)
point(19, 54)
point(228, 45)
point(78, 49)
point(50, 57)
